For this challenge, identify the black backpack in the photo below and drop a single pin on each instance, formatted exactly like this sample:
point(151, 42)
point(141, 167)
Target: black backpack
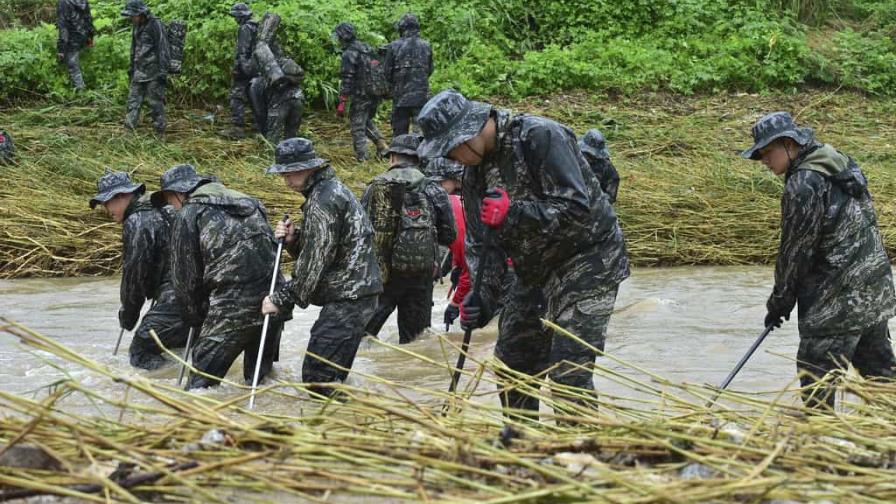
point(414, 248)
point(177, 38)
point(379, 85)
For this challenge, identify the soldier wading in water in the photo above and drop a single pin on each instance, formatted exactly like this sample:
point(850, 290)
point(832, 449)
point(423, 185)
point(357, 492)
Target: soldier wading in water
point(831, 261)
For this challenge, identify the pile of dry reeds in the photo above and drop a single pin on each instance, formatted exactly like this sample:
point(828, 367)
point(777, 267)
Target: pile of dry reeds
point(663, 444)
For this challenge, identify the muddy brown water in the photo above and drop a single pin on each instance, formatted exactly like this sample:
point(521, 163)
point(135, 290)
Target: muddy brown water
point(685, 324)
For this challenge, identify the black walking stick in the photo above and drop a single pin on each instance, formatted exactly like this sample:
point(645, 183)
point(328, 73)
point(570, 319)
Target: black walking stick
point(267, 320)
point(740, 364)
point(121, 333)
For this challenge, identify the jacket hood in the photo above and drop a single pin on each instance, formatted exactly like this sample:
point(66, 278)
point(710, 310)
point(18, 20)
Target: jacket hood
point(408, 175)
point(233, 202)
point(78, 4)
point(837, 167)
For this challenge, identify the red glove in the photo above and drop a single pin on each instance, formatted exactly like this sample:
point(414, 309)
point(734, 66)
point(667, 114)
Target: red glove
point(494, 207)
point(90, 42)
point(340, 109)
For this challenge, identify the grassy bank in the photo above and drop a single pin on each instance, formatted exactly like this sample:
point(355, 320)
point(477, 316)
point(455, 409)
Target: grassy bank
point(685, 197)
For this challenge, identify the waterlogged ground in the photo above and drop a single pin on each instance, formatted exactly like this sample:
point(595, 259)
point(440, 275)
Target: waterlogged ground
point(685, 324)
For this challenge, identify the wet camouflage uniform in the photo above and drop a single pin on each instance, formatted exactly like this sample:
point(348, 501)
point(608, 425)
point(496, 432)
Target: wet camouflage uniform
point(356, 85)
point(831, 262)
point(7, 149)
point(243, 65)
point(561, 234)
point(335, 268)
point(594, 146)
point(285, 103)
point(222, 261)
point(410, 294)
point(149, 67)
point(408, 66)
point(75, 24)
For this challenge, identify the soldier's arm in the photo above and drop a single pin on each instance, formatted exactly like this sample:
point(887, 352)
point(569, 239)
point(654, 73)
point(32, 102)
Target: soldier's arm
point(187, 269)
point(315, 257)
point(388, 63)
point(476, 251)
point(91, 29)
point(612, 178)
point(445, 227)
point(244, 50)
point(162, 47)
point(429, 65)
point(347, 72)
point(802, 214)
point(62, 25)
point(136, 270)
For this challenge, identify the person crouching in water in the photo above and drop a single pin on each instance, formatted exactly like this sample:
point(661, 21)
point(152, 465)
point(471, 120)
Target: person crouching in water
point(145, 270)
point(831, 259)
point(335, 269)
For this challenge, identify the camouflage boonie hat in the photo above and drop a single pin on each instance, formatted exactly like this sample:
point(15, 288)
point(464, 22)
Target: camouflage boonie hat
point(447, 120)
point(404, 144)
point(408, 21)
point(180, 179)
point(594, 144)
point(772, 127)
point(295, 154)
point(345, 31)
point(112, 184)
point(445, 169)
point(134, 8)
point(240, 9)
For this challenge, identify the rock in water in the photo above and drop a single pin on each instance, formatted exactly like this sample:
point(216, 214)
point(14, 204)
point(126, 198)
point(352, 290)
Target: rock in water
point(29, 457)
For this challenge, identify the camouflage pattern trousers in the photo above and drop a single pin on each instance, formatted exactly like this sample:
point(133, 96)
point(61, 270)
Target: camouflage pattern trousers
point(72, 61)
point(528, 348)
point(163, 318)
point(360, 116)
point(869, 350)
point(284, 116)
point(213, 354)
point(239, 97)
point(413, 299)
point(152, 91)
point(401, 119)
point(335, 337)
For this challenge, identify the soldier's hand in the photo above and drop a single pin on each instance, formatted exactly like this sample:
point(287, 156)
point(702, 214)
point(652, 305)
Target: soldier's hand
point(61, 56)
point(472, 313)
point(127, 321)
point(340, 108)
point(775, 319)
point(285, 230)
point(268, 307)
point(452, 311)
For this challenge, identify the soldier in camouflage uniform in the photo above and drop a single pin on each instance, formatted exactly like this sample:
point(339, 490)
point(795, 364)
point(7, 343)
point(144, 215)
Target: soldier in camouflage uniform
point(7, 149)
point(408, 291)
point(336, 267)
point(529, 184)
point(356, 85)
point(222, 256)
point(149, 66)
point(594, 146)
point(145, 272)
point(243, 65)
point(831, 262)
point(408, 66)
point(285, 103)
point(76, 30)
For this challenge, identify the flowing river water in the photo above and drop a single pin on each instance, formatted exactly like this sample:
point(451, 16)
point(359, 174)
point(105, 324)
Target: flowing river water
point(685, 324)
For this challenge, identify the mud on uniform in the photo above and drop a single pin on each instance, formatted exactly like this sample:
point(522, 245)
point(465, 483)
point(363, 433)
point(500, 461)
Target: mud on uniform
point(148, 72)
point(75, 24)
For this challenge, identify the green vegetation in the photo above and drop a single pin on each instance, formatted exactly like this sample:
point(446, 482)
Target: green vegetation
point(686, 197)
point(511, 48)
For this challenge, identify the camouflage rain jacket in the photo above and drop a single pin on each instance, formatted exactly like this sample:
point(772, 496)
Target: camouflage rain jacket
point(408, 66)
point(244, 67)
point(561, 231)
point(334, 248)
point(831, 261)
point(75, 24)
point(354, 71)
point(222, 259)
point(146, 269)
point(149, 51)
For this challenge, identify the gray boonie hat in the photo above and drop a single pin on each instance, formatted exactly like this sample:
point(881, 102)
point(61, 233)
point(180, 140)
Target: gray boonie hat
point(594, 144)
point(134, 8)
point(295, 154)
point(240, 9)
point(443, 168)
point(112, 184)
point(772, 127)
point(180, 179)
point(405, 144)
point(447, 120)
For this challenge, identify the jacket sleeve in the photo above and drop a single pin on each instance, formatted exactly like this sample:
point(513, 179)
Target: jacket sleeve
point(62, 25)
point(802, 214)
point(137, 273)
point(133, 50)
point(389, 62)
point(475, 250)
point(244, 50)
point(445, 228)
point(562, 211)
point(319, 242)
point(612, 178)
point(347, 72)
point(429, 65)
point(88, 17)
point(161, 38)
point(187, 268)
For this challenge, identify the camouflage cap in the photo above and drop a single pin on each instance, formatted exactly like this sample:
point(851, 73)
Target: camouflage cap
point(295, 154)
point(772, 127)
point(134, 8)
point(408, 21)
point(443, 168)
point(405, 144)
point(447, 120)
point(240, 9)
point(594, 144)
point(112, 184)
point(345, 31)
point(181, 178)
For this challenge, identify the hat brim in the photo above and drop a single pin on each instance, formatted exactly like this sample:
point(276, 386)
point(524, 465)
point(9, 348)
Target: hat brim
point(111, 193)
point(800, 136)
point(401, 150)
point(468, 125)
point(593, 151)
point(296, 167)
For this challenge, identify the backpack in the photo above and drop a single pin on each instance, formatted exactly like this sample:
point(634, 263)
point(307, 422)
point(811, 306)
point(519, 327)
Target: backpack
point(413, 251)
point(379, 85)
point(6, 147)
point(177, 38)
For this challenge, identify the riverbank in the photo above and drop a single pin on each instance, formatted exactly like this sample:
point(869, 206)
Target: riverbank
point(685, 199)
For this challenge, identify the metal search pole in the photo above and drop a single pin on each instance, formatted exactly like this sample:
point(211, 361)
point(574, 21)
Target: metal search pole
point(740, 364)
point(118, 343)
point(183, 367)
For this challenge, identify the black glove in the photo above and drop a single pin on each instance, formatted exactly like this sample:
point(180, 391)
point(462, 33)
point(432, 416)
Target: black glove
point(455, 276)
point(451, 314)
point(775, 319)
point(471, 317)
point(127, 321)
